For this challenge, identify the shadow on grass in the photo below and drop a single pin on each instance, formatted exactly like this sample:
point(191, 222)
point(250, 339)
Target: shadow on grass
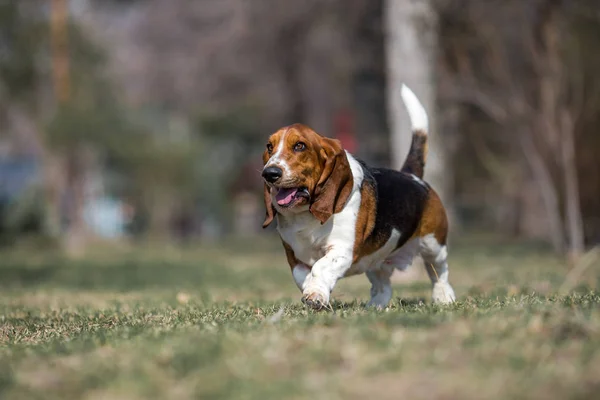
point(129, 276)
point(418, 301)
point(405, 303)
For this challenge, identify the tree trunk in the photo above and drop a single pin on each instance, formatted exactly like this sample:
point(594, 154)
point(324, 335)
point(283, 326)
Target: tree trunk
point(59, 17)
point(574, 219)
point(410, 58)
point(557, 123)
point(547, 189)
point(291, 44)
point(160, 215)
point(76, 234)
point(54, 186)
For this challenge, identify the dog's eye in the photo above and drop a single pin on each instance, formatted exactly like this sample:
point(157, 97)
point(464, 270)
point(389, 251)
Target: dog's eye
point(269, 148)
point(299, 146)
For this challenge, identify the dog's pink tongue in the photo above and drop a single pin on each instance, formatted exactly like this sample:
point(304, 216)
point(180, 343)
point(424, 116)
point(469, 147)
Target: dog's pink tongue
point(285, 196)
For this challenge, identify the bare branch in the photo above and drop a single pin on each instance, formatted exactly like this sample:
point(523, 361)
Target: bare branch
point(470, 94)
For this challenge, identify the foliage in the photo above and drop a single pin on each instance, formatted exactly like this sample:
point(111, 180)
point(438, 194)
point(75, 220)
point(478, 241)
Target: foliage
point(21, 38)
point(231, 140)
point(149, 157)
point(23, 217)
point(239, 124)
point(93, 115)
point(230, 73)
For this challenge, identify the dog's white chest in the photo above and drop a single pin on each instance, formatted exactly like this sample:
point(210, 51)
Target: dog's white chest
point(310, 240)
point(306, 236)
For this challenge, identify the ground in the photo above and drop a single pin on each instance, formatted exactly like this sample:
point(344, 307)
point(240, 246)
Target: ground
point(225, 321)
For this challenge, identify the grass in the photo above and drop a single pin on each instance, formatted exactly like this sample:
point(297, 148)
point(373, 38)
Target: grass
point(225, 321)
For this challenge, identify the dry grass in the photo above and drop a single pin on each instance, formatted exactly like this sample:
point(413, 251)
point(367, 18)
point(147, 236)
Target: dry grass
point(225, 321)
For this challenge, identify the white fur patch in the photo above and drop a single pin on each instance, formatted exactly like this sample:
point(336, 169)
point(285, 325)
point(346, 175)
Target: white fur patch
point(418, 116)
point(443, 293)
point(329, 247)
point(374, 260)
point(418, 180)
point(309, 239)
point(435, 257)
point(300, 272)
point(402, 258)
point(430, 248)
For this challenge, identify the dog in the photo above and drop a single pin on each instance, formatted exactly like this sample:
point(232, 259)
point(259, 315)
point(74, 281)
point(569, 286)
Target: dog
point(338, 217)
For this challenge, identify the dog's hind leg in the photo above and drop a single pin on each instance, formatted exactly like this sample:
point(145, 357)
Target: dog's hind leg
point(433, 234)
point(435, 257)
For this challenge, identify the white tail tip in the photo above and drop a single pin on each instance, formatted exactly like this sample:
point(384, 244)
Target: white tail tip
point(416, 111)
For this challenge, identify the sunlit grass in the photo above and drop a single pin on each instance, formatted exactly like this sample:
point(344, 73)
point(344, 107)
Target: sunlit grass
point(225, 321)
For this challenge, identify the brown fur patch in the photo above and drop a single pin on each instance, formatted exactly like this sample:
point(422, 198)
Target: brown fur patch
point(269, 209)
point(434, 220)
point(308, 164)
point(322, 167)
point(365, 222)
point(335, 184)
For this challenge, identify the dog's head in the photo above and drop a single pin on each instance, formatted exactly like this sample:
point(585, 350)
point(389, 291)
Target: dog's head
point(304, 171)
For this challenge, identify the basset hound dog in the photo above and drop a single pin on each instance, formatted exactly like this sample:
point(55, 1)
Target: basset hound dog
point(339, 217)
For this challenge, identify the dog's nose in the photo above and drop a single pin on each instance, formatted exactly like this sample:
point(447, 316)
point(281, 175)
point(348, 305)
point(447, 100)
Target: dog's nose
point(272, 174)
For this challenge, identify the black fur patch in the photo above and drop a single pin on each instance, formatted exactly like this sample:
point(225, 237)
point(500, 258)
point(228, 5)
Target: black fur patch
point(415, 162)
point(400, 203)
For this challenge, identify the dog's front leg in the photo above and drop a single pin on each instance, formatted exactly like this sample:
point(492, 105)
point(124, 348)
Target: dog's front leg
point(323, 276)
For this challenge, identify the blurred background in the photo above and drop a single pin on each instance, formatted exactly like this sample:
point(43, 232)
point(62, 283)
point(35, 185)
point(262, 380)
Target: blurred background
point(126, 121)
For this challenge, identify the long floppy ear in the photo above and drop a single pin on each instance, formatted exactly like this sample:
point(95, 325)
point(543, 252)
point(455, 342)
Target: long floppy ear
point(336, 181)
point(269, 207)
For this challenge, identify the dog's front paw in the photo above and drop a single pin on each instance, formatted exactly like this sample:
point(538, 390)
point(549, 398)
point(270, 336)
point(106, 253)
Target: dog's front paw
point(315, 299)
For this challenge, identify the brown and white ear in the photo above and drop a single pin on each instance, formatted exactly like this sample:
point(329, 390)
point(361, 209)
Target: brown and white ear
point(270, 210)
point(336, 181)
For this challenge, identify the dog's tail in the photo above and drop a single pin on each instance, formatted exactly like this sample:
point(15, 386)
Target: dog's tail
point(417, 155)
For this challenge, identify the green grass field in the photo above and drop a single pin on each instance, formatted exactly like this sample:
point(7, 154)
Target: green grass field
point(225, 321)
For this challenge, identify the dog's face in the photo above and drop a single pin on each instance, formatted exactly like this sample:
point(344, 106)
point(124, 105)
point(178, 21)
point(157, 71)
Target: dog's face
point(293, 162)
point(299, 165)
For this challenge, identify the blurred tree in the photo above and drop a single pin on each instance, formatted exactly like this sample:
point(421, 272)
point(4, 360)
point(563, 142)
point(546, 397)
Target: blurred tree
point(234, 70)
point(87, 123)
point(292, 62)
point(22, 32)
point(515, 62)
point(157, 167)
point(362, 27)
point(20, 40)
point(411, 49)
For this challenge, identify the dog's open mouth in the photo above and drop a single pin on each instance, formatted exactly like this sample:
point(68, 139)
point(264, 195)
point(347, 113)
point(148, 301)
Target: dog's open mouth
point(288, 196)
